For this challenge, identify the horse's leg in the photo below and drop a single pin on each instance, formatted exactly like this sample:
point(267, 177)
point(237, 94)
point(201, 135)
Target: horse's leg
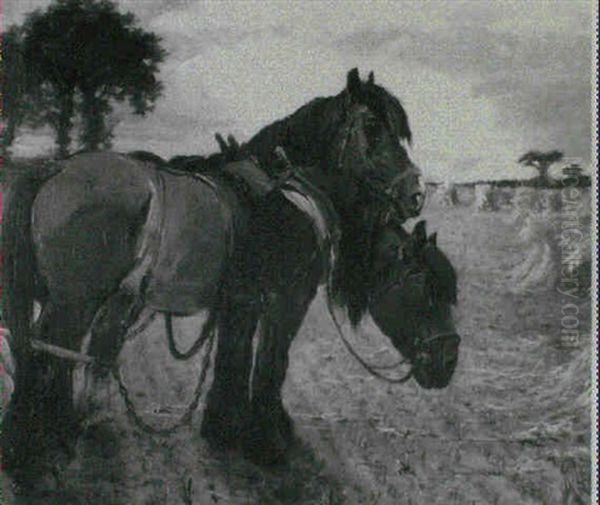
point(41, 417)
point(271, 430)
point(108, 331)
point(110, 326)
point(227, 402)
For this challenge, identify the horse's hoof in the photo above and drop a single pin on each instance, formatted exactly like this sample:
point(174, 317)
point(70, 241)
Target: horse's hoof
point(264, 441)
point(264, 445)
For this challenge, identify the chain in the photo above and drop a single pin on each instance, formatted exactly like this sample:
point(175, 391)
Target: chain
point(186, 418)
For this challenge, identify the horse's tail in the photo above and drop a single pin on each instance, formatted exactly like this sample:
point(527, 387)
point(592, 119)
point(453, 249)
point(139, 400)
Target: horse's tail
point(19, 260)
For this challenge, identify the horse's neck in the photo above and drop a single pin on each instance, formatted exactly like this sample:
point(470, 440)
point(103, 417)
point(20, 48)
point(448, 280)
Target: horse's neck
point(306, 137)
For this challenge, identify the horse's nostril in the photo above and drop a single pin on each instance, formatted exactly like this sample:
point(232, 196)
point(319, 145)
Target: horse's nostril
point(417, 200)
point(450, 354)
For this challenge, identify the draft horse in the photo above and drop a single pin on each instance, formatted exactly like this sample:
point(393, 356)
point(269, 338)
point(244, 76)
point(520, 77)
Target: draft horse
point(103, 236)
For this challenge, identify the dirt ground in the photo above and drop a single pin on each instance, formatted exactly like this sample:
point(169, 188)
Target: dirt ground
point(512, 428)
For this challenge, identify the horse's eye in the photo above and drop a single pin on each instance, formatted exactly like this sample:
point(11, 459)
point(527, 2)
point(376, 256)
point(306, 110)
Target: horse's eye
point(372, 127)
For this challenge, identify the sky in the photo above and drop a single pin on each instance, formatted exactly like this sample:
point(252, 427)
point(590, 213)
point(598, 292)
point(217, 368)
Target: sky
point(482, 81)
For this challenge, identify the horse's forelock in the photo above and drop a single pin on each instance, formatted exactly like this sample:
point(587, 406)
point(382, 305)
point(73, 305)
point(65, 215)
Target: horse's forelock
point(444, 274)
point(389, 109)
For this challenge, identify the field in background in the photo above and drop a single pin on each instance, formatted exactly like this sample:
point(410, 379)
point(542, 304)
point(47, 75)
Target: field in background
point(512, 428)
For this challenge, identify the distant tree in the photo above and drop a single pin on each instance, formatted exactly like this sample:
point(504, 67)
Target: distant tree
point(83, 54)
point(541, 161)
point(14, 85)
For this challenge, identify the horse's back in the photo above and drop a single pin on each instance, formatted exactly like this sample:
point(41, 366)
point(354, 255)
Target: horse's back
point(90, 180)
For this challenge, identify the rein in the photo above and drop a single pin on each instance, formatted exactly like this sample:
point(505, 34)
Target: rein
point(374, 370)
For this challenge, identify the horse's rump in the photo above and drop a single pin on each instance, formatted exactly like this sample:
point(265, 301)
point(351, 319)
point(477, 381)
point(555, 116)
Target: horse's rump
point(86, 221)
point(106, 219)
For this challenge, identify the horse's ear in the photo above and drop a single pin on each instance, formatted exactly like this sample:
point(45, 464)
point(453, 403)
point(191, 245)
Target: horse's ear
point(371, 79)
point(420, 233)
point(222, 144)
point(353, 84)
point(233, 143)
point(432, 240)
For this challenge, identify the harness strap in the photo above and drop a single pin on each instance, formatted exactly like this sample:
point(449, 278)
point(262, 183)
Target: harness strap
point(206, 332)
point(61, 352)
point(185, 419)
point(150, 240)
point(372, 369)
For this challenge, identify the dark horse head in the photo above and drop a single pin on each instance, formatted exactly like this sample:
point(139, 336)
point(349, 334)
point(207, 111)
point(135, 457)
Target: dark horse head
point(412, 291)
point(353, 146)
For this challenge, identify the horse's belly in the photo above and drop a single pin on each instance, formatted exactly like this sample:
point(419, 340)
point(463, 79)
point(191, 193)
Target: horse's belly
point(195, 243)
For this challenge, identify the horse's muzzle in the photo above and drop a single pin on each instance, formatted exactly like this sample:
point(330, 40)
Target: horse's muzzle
point(436, 361)
point(416, 202)
point(407, 205)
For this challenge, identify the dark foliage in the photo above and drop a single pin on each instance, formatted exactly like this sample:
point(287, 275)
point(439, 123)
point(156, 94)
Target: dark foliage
point(83, 54)
point(13, 83)
point(541, 161)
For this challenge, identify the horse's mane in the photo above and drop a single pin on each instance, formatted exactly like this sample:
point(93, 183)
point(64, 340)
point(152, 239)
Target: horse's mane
point(306, 135)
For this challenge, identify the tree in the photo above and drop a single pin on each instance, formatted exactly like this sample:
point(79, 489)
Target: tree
point(13, 82)
point(84, 54)
point(541, 161)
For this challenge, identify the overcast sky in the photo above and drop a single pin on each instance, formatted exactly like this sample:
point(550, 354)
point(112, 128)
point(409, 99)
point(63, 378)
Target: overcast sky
point(482, 82)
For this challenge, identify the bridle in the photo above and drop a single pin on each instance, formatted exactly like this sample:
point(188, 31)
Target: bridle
point(420, 344)
point(380, 192)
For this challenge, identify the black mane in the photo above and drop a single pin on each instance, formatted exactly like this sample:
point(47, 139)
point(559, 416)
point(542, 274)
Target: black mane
point(307, 134)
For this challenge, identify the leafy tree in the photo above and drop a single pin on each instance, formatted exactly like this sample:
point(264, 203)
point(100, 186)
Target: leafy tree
point(14, 85)
point(541, 161)
point(83, 55)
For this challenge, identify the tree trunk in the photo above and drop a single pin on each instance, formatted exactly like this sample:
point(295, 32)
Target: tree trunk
point(93, 111)
point(65, 122)
point(543, 169)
